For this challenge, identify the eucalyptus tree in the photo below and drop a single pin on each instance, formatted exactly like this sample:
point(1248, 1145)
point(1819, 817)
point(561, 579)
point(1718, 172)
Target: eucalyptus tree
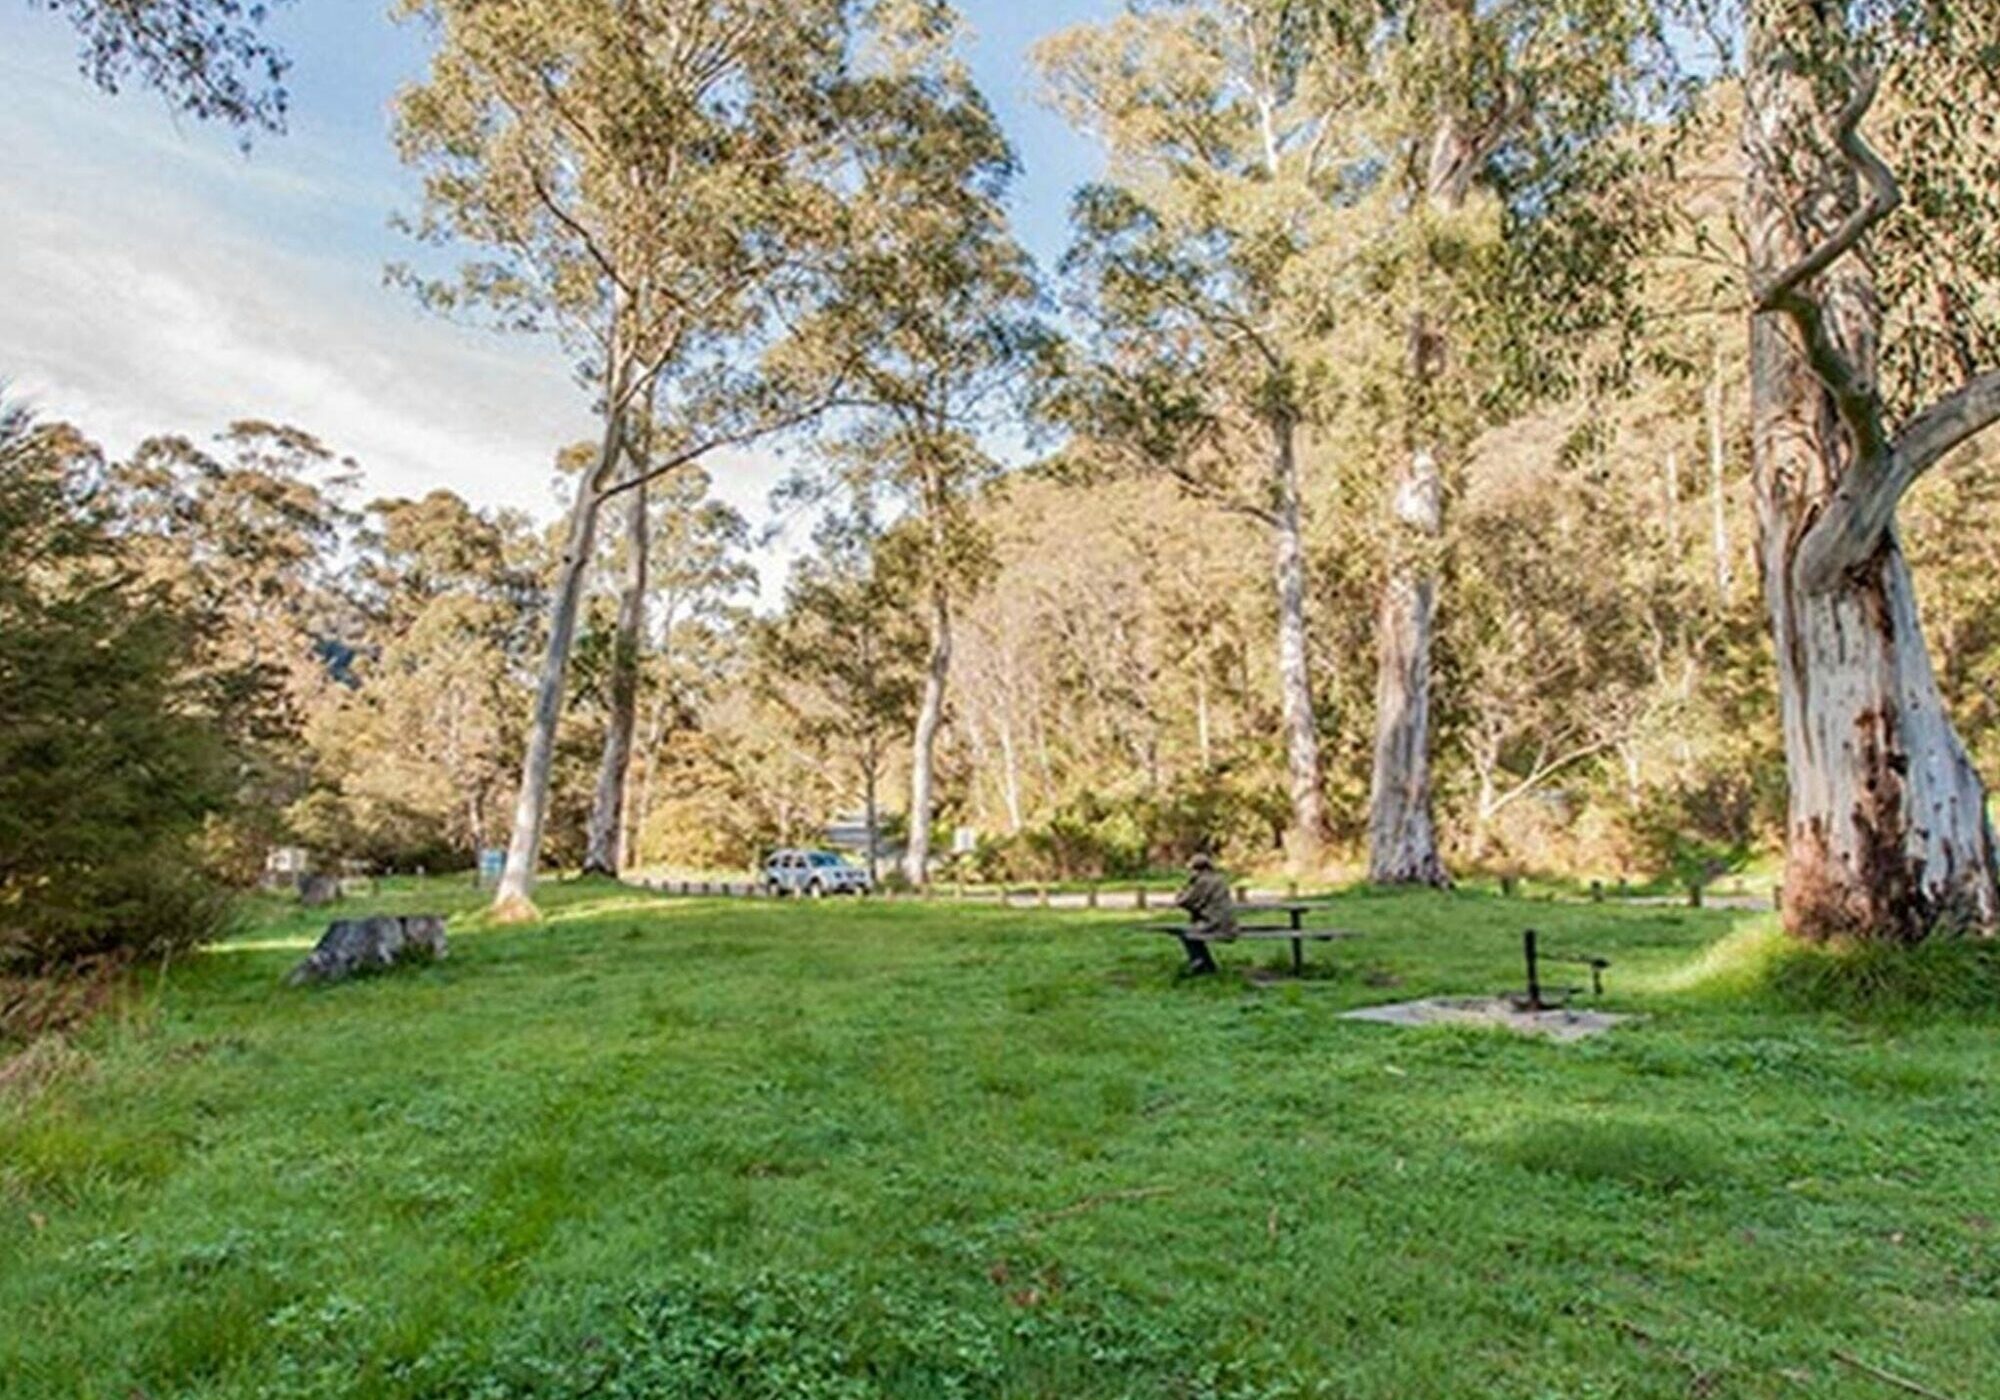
point(1875, 352)
point(935, 310)
point(843, 656)
point(1208, 264)
point(210, 58)
point(645, 181)
point(1494, 131)
point(681, 559)
point(605, 835)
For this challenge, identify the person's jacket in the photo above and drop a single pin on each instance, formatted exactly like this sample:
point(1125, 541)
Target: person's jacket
point(1207, 902)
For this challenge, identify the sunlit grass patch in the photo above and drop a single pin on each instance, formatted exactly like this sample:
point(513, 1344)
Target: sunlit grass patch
point(1942, 975)
point(833, 1151)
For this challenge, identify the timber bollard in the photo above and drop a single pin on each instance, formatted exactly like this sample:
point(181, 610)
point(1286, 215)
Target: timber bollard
point(1597, 892)
point(1242, 894)
point(1292, 890)
point(1139, 898)
point(1090, 897)
point(1694, 894)
point(1507, 885)
point(1042, 896)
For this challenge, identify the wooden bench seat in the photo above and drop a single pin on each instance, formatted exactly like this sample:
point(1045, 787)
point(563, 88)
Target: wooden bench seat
point(1292, 931)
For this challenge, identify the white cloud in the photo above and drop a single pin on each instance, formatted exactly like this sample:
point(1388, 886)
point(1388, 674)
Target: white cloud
point(149, 284)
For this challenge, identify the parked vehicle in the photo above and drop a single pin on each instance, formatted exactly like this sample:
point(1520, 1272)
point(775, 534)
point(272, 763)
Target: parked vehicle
point(812, 873)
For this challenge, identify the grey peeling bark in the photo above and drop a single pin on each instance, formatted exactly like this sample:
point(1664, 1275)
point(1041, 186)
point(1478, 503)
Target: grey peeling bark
point(930, 715)
point(514, 898)
point(605, 853)
point(1306, 840)
point(1402, 833)
point(1402, 839)
point(1887, 836)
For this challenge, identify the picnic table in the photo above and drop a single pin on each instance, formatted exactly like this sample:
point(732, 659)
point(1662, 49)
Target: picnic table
point(1293, 930)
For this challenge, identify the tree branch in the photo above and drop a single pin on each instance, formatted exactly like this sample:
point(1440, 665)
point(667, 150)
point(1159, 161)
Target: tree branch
point(1865, 502)
point(1884, 195)
point(736, 438)
point(1952, 420)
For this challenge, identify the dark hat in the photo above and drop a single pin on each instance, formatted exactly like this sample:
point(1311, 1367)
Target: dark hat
point(1201, 861)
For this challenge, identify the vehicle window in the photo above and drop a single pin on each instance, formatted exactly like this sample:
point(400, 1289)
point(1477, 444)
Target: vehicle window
point(823, 859)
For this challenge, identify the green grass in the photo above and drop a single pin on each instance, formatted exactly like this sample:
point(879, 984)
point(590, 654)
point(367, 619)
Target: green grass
point(657, 1148)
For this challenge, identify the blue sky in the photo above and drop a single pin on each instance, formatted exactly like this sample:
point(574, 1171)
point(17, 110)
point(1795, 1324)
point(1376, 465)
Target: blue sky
point(154, 279)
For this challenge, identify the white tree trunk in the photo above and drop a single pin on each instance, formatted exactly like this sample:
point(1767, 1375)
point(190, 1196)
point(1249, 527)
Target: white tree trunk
point(605, 853)
point(1010, 776)
point(1305, 842)
point(1887, 836)
point(930, 714)
point(1718, 486)
point(1204, 744)
point(1402, 839)
point(514, 899)
point(871, 778)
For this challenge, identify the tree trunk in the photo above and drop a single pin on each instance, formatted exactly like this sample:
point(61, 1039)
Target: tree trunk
point(871, 770)
point(1010, 771)
point(1306, 842)
point(1670, 503)
point(930, 714)
point(1718, 486)
point(514, 899)
point(1204, 745)
point(1886, 834)
point(1402, 836)
point(605, 853)
point(1402, 840)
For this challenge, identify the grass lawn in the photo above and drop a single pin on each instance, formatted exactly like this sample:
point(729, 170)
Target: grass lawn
point(658, 1148)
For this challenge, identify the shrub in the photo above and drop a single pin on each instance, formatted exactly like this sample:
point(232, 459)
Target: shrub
point(1889, 981)
point(108, 768)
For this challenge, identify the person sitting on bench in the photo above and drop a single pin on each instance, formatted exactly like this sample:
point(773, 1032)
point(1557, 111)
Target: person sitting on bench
point(1210, 911)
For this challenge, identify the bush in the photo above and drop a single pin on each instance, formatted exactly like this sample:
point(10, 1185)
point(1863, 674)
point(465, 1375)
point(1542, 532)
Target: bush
point(1890, 981)
point(1098, 838)
point(108, 769)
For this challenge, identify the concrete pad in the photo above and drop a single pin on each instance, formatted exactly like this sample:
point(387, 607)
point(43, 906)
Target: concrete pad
point(1491, 1011)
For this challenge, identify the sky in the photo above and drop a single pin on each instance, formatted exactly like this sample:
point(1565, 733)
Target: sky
point(155, 279)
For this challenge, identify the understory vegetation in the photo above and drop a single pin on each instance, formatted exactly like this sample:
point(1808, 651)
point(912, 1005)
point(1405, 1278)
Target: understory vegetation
point(742, 1149)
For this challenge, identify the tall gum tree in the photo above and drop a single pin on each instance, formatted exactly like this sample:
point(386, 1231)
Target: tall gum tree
point(1201, 263)
point(647, 182)
point(1486, 121)
point(604, 838)
point(938, 304)
point(1858, 389)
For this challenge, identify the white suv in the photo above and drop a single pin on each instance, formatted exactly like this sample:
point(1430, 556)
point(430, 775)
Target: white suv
point(813, 873)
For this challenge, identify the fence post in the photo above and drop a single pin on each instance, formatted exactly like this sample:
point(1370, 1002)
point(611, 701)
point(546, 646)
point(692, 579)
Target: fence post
point(1042, 896)
point(1597, 892)
point(1694, 894)
point(1139, 898)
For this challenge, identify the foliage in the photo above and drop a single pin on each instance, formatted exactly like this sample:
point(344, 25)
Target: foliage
point(209, 58)
point(109, 765)
point(413, 758)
